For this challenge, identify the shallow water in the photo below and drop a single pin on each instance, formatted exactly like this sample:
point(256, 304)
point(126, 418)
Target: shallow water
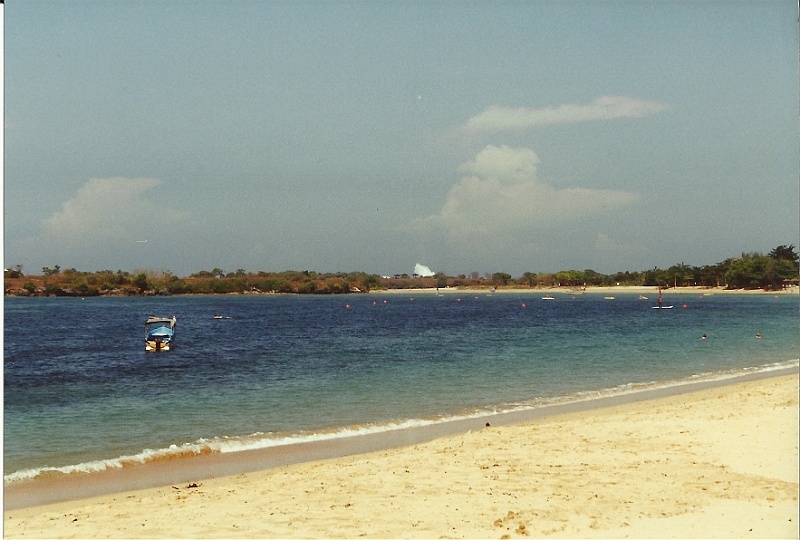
point(81, 392)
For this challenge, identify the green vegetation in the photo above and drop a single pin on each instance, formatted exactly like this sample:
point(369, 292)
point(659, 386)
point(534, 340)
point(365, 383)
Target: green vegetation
point(773, 271)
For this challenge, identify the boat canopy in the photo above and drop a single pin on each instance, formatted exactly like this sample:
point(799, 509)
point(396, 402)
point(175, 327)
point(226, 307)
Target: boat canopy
point(161, 331)
point(154, 320)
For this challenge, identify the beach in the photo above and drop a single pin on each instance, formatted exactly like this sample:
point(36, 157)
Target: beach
point(651, 291)
point(715, 463)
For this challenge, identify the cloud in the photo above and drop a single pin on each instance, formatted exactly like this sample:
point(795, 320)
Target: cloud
point(112, 209)
point(422, 270)
point(501, 198)
point(513, 164)
point(496, 118)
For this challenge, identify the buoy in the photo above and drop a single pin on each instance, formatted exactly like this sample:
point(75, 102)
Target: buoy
point(684, 306)
point(347, 306)
point(384, 301)
point(458, 300)
point(374, 303)
point(523, 306)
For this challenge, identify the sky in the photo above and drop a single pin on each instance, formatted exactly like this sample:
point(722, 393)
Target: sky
point(332, 136)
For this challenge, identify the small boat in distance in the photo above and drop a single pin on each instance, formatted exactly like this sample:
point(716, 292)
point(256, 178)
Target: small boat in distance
point(159, 334)
point(548, 297)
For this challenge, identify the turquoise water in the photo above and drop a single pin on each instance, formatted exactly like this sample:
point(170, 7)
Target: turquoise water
point(81, 393)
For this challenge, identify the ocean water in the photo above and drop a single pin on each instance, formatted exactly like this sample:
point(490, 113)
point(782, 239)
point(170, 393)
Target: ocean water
point(81, 394)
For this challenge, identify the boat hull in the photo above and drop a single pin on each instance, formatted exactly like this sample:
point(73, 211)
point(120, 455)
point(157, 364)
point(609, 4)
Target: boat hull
point(155, 346)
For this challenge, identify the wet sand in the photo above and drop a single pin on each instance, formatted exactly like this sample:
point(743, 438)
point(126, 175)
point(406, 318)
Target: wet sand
point(721, 462)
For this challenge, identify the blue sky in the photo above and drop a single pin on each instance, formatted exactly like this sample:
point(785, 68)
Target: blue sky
point(343, 136)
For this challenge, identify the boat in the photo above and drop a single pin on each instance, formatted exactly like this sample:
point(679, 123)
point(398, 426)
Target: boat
point(608, 298)
point(159, 334)
point(548, 297)
point(642, 297)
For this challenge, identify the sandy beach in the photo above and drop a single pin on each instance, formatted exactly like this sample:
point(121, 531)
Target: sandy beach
point(650, 291)
point(716, 463)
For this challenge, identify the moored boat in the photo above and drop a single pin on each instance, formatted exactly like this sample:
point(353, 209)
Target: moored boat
point(159, 334)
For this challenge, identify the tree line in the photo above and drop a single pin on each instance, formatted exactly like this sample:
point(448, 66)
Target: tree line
point(750, 271)
point(772, 271)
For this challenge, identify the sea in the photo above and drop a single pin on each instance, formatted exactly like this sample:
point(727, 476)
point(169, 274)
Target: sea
point(81, 393)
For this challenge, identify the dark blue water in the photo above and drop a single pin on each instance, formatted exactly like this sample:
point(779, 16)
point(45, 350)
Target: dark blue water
point(79, 388)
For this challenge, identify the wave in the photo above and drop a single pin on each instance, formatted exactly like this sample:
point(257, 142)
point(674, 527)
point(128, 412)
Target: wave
point(260, 440)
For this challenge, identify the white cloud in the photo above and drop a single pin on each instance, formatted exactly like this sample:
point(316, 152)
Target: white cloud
point(496, 118)
point(422, 270)
point(112, 209)
point(513, 164)
point(502, 198)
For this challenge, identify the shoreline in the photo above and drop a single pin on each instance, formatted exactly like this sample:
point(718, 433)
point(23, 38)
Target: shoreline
point(618, 289)
point(55, 488)
point(145, 459)
point(719, 462)
point(565, 290)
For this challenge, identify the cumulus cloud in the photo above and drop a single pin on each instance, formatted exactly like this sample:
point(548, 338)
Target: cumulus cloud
point(111, 209)
point(502, 197)
point(422, 270)
point(496, 118)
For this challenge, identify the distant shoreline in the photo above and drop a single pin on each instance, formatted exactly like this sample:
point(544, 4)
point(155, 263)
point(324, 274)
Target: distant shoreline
point(649, 291)
point(619, 289)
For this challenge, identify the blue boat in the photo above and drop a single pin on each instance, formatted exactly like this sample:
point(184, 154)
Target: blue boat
point(159, 334)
